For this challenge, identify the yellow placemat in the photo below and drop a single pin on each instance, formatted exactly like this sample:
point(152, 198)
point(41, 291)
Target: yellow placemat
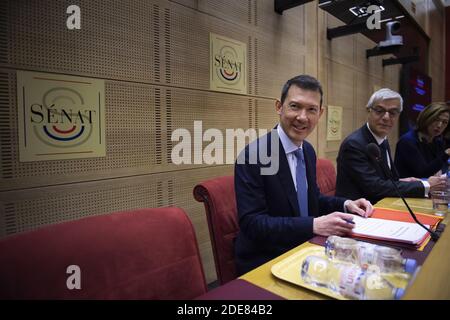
point(289, 269)
point(263, 277)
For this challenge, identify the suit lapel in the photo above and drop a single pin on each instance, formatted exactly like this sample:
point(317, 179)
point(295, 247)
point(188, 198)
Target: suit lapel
point(370, 138)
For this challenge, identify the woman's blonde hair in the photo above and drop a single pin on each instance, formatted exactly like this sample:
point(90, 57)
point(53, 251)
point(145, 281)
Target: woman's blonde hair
point(428, 115)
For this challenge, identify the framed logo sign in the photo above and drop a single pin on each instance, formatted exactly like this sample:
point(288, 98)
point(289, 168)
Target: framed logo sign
point(228, 64)
point(334, 123)
point(60, 117)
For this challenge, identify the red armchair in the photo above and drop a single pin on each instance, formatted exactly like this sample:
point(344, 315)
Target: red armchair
point(220, 205)
point(219, 198)
point(140, 254)
point(326, 177)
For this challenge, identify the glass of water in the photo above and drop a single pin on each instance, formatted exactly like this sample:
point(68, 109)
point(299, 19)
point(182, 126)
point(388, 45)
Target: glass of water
point(440, 202)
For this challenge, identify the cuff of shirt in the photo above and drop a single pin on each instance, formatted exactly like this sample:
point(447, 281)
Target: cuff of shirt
point(348, 201)
point(426, 185)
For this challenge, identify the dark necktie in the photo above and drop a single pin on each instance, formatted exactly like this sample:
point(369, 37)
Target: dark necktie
point(302, 186)
point(384, 149)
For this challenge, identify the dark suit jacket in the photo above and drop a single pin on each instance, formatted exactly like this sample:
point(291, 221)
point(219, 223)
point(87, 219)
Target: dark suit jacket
point(359, 176)
point(415, 158)
point(269, 216)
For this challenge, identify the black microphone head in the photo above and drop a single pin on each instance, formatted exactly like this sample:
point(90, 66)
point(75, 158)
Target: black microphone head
point(374, 151)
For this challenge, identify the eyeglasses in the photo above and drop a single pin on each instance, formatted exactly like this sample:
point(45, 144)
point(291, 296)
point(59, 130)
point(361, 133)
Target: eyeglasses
point(380, 112)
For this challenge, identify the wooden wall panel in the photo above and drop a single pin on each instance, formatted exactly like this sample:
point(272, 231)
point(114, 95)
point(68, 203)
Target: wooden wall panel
point(371, 65)
point(364, 89)
point(342, 49)
point(436, 51)
point(340, 90)
point(277, 61)
point(116, 39)
point(236, 11)
point(138, 143)
point(266, 115)
point(24, 210)
point(292, 25)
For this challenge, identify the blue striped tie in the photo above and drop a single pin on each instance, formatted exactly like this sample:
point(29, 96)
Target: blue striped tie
point(302, 186)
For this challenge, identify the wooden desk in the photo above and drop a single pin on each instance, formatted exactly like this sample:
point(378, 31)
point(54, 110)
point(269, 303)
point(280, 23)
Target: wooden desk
point(416, 204)
point(432, 282)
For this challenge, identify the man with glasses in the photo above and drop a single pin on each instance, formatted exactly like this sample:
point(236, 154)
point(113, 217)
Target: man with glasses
point(358, 174)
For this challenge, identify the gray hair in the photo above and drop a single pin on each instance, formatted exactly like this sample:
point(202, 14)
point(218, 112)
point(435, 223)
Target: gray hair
point(384, 94)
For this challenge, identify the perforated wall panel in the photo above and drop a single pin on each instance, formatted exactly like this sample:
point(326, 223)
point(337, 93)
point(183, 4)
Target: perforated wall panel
point(140, 119)
point(24, 210)
point(288, 57)
point(115, 40)
point(189, 45)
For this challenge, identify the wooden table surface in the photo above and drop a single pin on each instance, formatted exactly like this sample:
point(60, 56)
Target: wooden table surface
point(432, 281)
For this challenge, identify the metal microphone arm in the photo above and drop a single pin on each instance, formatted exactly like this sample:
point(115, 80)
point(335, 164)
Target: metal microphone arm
point(434, 235)
point(374, 152)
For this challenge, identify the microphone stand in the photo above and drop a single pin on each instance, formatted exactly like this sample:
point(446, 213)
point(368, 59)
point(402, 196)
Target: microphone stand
point(434, 235)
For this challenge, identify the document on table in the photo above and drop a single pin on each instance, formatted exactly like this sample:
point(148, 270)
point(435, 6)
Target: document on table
point(390, 230)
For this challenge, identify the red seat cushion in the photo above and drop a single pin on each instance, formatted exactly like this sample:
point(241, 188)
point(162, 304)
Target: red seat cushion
point(140, 254)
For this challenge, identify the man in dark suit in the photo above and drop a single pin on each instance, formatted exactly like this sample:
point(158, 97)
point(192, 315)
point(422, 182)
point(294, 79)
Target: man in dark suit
point(359, 174)
point(278, 201)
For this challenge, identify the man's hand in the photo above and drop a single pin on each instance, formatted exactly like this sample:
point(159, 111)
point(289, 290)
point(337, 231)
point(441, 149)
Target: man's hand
point(437, 183)
point(333, 224)
point(361, 207)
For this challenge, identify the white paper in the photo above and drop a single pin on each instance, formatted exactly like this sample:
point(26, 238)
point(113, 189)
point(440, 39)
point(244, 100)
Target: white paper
point(389, 229)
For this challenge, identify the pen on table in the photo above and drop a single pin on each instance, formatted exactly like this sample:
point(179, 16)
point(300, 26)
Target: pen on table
point(349, 221)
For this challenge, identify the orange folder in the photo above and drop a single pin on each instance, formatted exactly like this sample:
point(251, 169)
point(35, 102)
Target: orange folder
point(404, 216)
point(398, 215)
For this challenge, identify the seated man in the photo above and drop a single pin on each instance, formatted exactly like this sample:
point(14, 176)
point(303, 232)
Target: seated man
point(359, 174)
point(281, 208)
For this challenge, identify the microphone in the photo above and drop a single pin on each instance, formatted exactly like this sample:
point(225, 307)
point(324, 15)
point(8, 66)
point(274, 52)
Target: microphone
point(374, 152)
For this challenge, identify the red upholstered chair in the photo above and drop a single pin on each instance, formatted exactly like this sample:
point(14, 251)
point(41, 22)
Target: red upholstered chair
point(139, 254)
point(219, 199)
point(220, 204)
point(326, 177)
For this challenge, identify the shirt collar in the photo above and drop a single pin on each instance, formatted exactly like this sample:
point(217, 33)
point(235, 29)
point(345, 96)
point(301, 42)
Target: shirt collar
point(379, 140)
point(286, 142)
